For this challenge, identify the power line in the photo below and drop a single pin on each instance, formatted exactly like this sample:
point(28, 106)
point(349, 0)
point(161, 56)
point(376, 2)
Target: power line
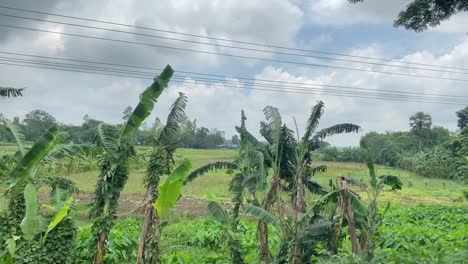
point(214, 81)
point(234, 47)
point(233, 55)
point(258, 82)
point(177, 80)
point(229, 40)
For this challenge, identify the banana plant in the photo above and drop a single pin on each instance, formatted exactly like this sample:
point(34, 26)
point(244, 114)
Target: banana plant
point(295, 247)
point(291, 158)
point(373, 218)
point(161, 163)
point(249, 174)
point(230, 229)
point(23, 205)
point(117, 149)
point(169, 193)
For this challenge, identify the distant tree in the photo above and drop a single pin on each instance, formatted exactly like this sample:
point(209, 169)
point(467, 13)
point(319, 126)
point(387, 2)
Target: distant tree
point(127, 113)
point(420, 121)
point(36, 123)
point(463, 117)
point(235, 140)
point(88, 129)
point(421, 14)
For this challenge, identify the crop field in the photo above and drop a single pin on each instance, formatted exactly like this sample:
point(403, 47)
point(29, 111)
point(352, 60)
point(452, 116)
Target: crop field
point(417, 189)
point(423, 211)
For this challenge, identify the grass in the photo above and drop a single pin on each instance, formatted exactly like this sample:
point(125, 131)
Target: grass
point(416, 189)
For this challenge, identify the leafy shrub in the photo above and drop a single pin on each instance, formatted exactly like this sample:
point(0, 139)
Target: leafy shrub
point(350, 154)
point(422, 234)
point(122, 244)
point(57, 249)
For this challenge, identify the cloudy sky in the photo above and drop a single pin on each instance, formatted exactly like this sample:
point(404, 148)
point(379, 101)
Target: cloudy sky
point(323, 25)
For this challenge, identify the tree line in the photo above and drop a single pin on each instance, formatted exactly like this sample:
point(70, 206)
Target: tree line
point(36, 123)
point(428, 150)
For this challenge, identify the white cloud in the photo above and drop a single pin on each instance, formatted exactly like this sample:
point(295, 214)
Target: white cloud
point(68, 96)
point(342, 12)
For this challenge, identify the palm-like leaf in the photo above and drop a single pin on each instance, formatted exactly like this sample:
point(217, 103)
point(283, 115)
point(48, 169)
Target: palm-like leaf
point(332, 197)
point(313, 121)
point(263, 215)
point(58, 217)
point(11, 92)
point(169, 192)
point(311, 233)
point(320, 168)
point(56, 182)
point(336, 129)
point(236, 188)
point(314, 187)
point(174, 119)
point(18, 134)
point(209, 167)
point(247, 138)
point(107, 137)
point(252, 164)
point(71, 151)
point(147, 100)
point(27, 165)
point(370, 165)
point(30, 223)
point(274, 125)
point(218, 213)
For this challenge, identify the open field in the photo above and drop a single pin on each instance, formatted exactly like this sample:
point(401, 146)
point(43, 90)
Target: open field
point(429, 209)
point(417, 189)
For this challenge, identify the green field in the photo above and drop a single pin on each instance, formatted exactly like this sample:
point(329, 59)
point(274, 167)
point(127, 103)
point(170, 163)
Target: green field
point(417, 189)
point(194, 238)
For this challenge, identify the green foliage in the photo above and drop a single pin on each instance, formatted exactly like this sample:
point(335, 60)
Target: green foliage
point(263, 215)
point(122, 243)
point(58, 217)
point(421, 14)
point(169, 191)
point(147, 100)
point(26, 167)
point(218, 213)
point(392, 181)
point(209, 167)
point(462, 115)
point(30, 223)
point(429, 234)
point(57, 249)
point(348, 154)
point(18, 135)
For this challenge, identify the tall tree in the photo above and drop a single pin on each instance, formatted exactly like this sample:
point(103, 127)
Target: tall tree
point(421, 14)
point(127, 113)
point(36, 123)
point(420, 121)
point(235, 140)
point(462, 117)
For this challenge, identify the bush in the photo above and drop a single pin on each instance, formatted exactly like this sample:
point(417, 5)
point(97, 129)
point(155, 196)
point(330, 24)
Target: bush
point(122, 244)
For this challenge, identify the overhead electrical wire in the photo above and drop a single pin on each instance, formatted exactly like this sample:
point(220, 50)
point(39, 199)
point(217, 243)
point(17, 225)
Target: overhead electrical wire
point(235, 47)
point(190, 74)
point(180, 79)
point(233, 55)
point(229, 40)
point(253, 84)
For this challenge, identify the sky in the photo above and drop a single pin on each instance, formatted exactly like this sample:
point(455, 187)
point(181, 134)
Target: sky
point(325, 25)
